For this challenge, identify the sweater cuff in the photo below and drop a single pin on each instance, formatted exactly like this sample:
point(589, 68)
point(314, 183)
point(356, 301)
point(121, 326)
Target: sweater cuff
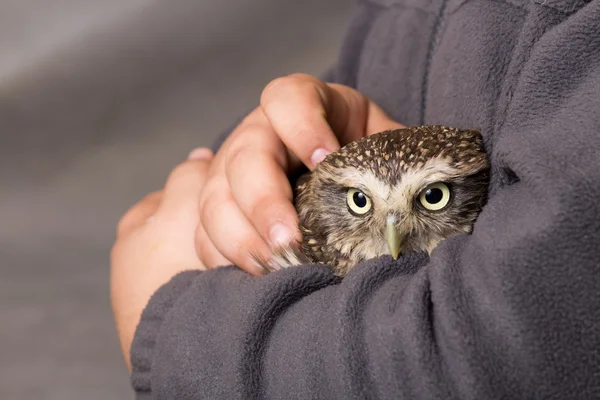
point(144, 340)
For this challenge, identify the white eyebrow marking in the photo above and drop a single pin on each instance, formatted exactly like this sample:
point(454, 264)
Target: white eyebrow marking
point(365, 180)
point(415, 179)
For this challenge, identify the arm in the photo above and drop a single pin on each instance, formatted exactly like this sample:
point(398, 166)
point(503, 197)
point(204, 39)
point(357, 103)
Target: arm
point(511, 311)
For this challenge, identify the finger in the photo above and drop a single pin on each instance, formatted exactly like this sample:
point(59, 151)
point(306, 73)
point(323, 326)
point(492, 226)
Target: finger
point(229, 230)
point(184, 184)
point(256, 174)
point(207, 252)
point(137, 215)
point(307, 114)
point(379, 120)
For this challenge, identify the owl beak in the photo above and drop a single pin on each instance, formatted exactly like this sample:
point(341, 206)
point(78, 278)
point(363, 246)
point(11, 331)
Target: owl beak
point(394, 239)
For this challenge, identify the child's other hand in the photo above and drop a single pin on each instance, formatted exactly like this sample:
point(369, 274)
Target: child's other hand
point(246, 206)
point(155, 241)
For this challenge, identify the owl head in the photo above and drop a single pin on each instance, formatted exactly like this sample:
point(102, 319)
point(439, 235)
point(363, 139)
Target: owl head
point(393, 192)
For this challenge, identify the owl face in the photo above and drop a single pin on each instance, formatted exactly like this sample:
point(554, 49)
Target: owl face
point(391, 193)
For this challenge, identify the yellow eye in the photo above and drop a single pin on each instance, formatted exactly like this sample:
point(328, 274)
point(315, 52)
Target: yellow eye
point(435, 196)
point(358, 202)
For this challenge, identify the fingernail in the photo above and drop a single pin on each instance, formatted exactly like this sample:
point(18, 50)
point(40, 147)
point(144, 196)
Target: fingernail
point(280, 235)
point(201, 153)
point(318, 156)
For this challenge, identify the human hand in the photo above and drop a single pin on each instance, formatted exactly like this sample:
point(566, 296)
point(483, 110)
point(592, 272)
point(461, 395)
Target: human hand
point(246, 206)
point(155, 241)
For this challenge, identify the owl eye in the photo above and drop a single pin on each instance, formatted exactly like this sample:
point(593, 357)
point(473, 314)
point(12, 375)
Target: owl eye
point(435, 196)
point(358, 202)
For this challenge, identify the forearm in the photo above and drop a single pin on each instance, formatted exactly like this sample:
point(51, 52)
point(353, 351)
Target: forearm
point(197, 329)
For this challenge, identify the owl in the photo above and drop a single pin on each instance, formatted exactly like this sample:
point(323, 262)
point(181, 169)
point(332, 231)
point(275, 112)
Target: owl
point(394, 192)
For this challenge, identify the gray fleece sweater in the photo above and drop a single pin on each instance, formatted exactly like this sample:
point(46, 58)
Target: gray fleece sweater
point(509, 312)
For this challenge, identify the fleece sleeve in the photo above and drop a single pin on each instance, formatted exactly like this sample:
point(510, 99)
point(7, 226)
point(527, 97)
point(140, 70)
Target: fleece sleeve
point(511, 311)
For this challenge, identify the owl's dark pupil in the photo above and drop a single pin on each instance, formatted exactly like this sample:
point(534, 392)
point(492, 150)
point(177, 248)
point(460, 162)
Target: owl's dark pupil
point(359, 199)
point(434, 195)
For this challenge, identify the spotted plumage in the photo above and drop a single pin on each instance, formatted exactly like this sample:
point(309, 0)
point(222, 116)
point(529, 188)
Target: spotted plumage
point(394, 192)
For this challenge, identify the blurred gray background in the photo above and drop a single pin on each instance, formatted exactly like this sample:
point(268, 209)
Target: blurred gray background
point(99, 99)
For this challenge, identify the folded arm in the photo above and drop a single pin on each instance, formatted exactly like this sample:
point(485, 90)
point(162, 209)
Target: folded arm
point(510, 311)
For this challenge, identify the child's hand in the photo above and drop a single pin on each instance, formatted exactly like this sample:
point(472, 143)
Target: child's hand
point(155, 241)
point(246, 205)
